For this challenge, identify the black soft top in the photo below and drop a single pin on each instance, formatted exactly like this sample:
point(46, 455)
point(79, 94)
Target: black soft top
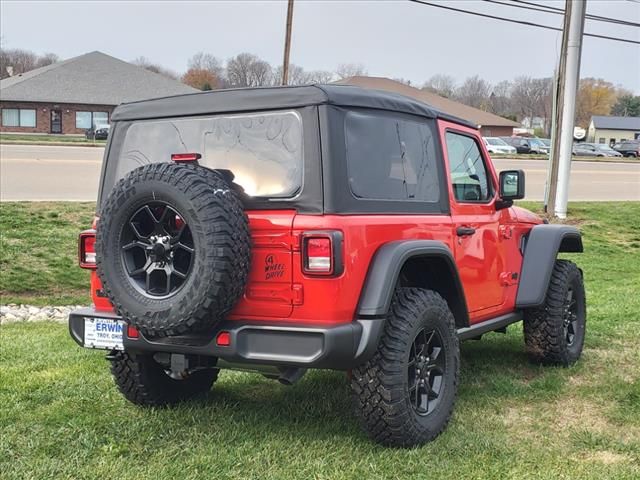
point(273, 98)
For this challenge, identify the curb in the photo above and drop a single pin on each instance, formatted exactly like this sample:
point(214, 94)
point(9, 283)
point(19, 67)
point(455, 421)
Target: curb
point(54, 144)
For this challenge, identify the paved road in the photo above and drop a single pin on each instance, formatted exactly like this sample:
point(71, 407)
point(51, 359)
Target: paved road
point(72, 173)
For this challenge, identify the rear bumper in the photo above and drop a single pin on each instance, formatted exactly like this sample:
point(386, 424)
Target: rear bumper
point(338, 347)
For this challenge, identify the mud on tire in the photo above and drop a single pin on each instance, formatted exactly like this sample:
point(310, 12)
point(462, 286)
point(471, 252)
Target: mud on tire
point(384, 390)
point(217, 253)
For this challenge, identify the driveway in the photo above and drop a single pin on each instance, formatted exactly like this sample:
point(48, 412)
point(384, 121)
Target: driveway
point(72, 173)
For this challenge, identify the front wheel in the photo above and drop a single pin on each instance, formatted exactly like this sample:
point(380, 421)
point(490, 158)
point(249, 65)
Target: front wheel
point(144, 381)
point(554, 332)
point(405, 394)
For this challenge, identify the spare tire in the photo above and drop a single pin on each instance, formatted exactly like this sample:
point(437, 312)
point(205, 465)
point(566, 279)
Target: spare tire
point(173, 248)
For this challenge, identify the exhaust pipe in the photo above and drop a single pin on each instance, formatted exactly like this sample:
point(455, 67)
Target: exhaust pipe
point(290, 375)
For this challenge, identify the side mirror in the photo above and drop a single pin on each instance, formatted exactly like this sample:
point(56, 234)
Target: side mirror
point(511, 187)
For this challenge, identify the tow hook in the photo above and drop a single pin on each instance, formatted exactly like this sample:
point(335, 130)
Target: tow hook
point(179, 366)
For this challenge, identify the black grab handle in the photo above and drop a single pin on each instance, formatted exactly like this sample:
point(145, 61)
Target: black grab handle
point(465, 231)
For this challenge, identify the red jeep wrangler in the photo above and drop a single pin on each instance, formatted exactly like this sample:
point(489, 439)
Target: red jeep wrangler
point(335, 227)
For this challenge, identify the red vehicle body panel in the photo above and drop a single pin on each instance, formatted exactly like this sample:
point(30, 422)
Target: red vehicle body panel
point(489, 261)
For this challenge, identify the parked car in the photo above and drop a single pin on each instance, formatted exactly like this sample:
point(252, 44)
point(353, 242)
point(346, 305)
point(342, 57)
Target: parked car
point(241, 241)
point(536, 145)
point(594, 150)
point(497, 145)
point(99, 132)
point(630, 148)
point(521, 144)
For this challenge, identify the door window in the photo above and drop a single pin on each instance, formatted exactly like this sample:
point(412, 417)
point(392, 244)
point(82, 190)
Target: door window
point(391, 158)
point(469, 176)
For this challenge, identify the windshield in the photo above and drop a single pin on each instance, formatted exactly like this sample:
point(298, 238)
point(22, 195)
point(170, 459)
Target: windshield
point(496, 141)
point(604, 148)
point(546, 142)
point(535, 142)
point(264, 151)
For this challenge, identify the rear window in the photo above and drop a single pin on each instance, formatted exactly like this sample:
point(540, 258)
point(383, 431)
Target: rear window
point(264, 150)
point(391, 158)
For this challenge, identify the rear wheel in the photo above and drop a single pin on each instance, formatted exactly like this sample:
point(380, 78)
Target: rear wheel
point(143, 381)
point(405, 394)
point(554, 332)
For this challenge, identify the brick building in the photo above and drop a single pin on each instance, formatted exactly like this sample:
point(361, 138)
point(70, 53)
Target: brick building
point(490, 125)
point(70, 97)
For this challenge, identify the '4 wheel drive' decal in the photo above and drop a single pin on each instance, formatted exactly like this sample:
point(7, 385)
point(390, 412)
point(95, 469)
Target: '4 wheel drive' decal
point(273, 269)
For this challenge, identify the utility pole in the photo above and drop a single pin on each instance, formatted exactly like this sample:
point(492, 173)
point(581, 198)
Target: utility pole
point(556, 120)
point(568, 78)
point(287, 44)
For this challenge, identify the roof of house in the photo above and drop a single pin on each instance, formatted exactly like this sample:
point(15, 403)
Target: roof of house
point(474, 115)
point(271, 98)
point(93, 78)
point(616, 123)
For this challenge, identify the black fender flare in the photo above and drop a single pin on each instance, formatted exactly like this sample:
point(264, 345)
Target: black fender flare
point(540, 251)
point(380, 284)
point(385, 268)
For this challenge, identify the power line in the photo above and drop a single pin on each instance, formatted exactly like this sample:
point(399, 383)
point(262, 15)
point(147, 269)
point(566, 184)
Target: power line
point(520, 22)
point(559, 11)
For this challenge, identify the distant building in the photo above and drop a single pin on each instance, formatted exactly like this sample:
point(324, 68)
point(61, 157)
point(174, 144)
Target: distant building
point(534, 123)
point(610, 130)
point(490, 125)
point(70, 97)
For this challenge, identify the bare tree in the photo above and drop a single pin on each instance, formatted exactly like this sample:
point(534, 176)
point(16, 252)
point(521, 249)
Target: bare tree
point(474, 92)
point(320, 76)
point(296, 75)
point(47, 59)
point(206, 61)
point(247, 70)
point(531, 97)
point(17, 61)
point(443, 85)
point(346, 70)
point(154, 67)
point(500, 99)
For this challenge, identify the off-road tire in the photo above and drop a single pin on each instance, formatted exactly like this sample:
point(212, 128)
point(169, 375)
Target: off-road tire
point(143, 381)
point(219, 227)
point(381, 385)
point(544, 329)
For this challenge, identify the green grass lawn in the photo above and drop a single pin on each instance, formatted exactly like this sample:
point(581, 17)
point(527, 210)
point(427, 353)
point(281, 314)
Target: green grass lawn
point(49, 139)
point(62, 417)
point(39, 252)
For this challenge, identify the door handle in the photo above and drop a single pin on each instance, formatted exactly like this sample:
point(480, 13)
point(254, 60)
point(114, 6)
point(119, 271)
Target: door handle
point(465, 231)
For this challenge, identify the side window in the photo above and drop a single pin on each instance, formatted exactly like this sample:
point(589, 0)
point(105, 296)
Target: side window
point(469, 175)
point(391, 158)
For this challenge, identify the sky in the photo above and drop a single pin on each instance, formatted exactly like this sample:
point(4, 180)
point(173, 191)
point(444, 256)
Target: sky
point(394, 39)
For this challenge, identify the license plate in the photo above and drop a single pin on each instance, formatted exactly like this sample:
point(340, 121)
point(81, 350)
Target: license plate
point(103, 333)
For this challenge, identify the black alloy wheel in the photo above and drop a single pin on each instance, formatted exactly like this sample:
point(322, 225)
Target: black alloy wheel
point(426, 370)
point(157, 249)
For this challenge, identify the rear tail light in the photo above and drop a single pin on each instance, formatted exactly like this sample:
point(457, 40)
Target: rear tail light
point(132, 332)
point(322, 253)
point(185, 157)
point(223, 339)
point(87, 249)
